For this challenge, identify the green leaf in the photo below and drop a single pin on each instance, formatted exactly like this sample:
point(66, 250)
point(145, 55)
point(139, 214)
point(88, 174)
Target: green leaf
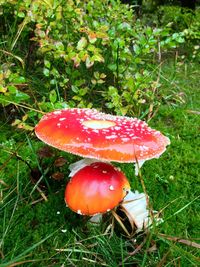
point(46, 72)
point(12, 89)
point(47, 63)
point(18, 79)
point(21, 14)
point(96, 75)
point(74, 89)
point(53, 96)
point(83, 91)
point(82, 43)
point(89, 63)
point(98, 58)
point(137, 49)
point(112, 67)
point(20, 96)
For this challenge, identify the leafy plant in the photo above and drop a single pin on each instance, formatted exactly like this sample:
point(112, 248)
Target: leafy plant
point(11, 85)
point(186, 24)
point(94, 54)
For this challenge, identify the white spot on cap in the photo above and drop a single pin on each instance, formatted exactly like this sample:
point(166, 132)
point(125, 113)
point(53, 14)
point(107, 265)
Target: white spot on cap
point(57, 112)
point(117, 128)
point(111, 137)
point(58, 124)
point(98, 124)
point(79, 212)
point(144, 148)
point(62, 119)
point(125, 139)
point(95, 131)
point(104, 172)
point(111, 187)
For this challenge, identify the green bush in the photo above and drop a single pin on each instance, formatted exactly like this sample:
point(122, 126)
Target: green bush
point(90, 53)
point(186, 23)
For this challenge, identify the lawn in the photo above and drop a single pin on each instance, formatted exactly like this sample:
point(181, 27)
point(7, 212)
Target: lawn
point(38, 230)
point(120, 65)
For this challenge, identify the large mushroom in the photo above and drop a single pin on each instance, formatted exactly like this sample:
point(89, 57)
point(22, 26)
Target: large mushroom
point(92, 134)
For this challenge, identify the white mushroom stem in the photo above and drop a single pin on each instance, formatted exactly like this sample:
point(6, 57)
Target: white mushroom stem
point(96, 218)
point(134, 206)
point(78, 165)
point(138, 166)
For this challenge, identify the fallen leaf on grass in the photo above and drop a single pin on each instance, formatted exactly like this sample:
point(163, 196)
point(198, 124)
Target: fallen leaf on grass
point(58, 176)
point(45, 152)
point(59, 162)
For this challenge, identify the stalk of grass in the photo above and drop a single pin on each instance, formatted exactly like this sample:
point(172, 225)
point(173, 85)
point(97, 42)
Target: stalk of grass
point(44, 173)
point(21, 256)
point(183, 208)
point(12, 214)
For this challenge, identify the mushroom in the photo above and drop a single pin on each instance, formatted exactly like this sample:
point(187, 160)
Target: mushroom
point(96, 188)
point(98, 136)
point(92, 134)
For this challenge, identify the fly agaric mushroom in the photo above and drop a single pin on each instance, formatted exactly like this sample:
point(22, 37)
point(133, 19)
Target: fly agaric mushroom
point(92, 134)
point(96, 188)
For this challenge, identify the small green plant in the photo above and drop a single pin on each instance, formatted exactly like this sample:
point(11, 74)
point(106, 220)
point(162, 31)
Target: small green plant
point(12, 85)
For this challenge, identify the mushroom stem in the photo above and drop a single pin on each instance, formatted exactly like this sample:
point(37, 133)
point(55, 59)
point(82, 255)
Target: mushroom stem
point(97, 218)
point(138, 166)
point(78, 165)
point(134, 206)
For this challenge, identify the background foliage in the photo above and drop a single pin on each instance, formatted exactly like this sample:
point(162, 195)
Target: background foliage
point(88, 54)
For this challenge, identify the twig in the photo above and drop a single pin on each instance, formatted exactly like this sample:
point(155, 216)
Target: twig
point(139, 247)
point(194, 112)
point(36, 201)
point(180, 240)
point(42, 194)
point(120, 222)
point(3, 183)
point(163, 260)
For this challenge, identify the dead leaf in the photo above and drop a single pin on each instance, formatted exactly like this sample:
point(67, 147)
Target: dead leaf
point(59, 162)
point(152, 248)
point(45, 152)
point(58, 176)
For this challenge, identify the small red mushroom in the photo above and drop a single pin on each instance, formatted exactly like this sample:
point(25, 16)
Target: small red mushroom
point(92, 134)
point(96, 188)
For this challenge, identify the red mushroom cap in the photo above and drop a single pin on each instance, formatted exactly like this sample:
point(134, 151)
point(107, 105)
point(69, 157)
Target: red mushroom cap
point(96, 188)
point(92, 134)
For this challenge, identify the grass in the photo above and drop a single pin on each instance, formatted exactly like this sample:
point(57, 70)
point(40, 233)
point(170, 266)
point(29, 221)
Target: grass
point(37, 229)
